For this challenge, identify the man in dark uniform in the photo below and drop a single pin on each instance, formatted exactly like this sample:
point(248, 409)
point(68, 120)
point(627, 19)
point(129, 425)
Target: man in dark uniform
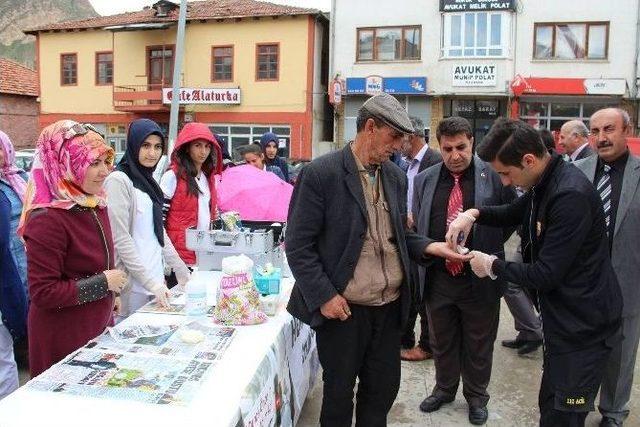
point(348, 248)
point(566, 263)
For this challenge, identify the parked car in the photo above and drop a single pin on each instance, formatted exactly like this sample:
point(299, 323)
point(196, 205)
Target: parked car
point(24, 159)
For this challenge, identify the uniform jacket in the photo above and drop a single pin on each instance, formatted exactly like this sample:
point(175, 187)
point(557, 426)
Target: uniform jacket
point(326, 229)
point(564, 239)
point(624, 257)
point(488, 191)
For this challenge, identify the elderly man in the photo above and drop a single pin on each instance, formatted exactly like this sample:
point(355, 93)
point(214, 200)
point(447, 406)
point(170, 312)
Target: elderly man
point(419, 157)
point(616, 175)
point(574, 140)
point(566, 263)
point(348, 248)
point(463, 310)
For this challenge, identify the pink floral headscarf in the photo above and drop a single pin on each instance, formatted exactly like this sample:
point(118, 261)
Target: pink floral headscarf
point(59, 168)
point(9, 171)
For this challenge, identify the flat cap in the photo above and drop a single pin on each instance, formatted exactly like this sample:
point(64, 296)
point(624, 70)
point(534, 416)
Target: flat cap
point(390, 111)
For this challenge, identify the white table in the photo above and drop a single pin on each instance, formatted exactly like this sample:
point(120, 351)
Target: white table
point(219, 399)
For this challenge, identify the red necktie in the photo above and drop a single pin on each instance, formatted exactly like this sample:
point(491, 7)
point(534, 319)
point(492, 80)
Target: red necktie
point(453, 209)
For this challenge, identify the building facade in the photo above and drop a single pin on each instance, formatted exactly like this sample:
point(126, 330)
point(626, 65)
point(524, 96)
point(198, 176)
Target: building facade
point(18, 103)
point(544, 62)
point(249, 68)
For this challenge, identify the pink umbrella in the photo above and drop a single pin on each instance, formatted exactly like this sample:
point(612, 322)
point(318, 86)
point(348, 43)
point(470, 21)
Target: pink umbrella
point(256, 194)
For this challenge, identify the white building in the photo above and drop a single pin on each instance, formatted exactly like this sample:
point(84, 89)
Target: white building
point(575, 57)
point(460, 57)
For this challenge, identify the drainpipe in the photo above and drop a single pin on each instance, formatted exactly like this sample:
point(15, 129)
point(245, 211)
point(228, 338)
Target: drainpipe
point(177, 71)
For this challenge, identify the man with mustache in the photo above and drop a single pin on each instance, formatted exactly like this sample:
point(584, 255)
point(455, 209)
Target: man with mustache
point(616, 175)
point(463, 310)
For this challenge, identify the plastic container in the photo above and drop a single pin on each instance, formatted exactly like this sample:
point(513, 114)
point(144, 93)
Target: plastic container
point(268, 284)
point(196, 297)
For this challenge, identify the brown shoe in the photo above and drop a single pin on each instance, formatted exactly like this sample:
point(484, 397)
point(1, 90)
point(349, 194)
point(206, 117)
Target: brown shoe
point(414, 354)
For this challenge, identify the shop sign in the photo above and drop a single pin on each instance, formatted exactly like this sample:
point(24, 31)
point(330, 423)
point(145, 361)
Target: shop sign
point(374, 85)
point(474, 75)
point(562, 86)
point(336, 90)
point(203, 95)
point(475, 5)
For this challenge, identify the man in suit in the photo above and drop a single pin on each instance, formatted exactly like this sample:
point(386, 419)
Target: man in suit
point(574, 140)
point(619, 185)
point(463, 310)
point(419, 157)
point(348, 248)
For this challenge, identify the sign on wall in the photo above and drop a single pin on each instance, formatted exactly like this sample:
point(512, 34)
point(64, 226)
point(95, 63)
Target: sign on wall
point(203, 95)
point(374, 85)
point(474, 75)
point(475, 5)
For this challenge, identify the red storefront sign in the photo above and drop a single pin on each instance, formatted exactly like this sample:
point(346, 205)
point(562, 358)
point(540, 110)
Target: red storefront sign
point(561, 86)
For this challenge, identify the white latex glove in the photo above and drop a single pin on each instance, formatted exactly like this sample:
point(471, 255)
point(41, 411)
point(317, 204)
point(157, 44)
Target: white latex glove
point(481, 264)
point(461, 225)
point(161, 293)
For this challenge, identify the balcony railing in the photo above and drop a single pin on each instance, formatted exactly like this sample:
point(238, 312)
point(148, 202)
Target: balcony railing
point(133, 98)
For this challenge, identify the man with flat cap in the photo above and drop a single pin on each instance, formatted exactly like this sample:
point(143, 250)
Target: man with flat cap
point(348, 248)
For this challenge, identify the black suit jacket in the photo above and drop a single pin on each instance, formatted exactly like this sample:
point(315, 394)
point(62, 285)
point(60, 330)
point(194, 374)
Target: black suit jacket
point(326, 228)
point(488, 191)
point(430, 158)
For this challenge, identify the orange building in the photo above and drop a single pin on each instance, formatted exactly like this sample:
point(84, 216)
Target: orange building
point(249, 67)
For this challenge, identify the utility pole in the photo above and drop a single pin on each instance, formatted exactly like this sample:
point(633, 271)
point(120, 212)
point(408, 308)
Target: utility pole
point(177, 72)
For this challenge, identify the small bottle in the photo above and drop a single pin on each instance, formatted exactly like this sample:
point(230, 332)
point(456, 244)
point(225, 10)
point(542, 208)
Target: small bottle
point(196, 297)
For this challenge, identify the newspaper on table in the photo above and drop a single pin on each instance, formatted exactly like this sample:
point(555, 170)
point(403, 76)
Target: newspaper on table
point(165, 340)
point(177, 304)
point(103, 374)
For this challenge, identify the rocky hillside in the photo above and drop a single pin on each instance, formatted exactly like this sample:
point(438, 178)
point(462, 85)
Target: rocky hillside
point(16, 15)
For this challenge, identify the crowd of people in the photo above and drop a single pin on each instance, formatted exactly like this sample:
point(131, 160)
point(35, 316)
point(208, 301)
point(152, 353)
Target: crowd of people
point(372, 244)
point(85, 243)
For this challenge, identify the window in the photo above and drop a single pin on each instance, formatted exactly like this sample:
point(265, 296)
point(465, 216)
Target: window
point(104, 68)
point(388, 44)
point(580, 40)
point(552, 115)
point(222, 66)
point(475, 34)
point(267, 57)
point(237, 135)
point(69, 69)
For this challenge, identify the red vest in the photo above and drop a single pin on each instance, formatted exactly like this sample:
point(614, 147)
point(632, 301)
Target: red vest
point(183, 214)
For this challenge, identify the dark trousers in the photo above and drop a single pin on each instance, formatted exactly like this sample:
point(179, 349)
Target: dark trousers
point(462, 333)
point(570, 382)
point(409, 337)
point(365, 346)
point(418, 306)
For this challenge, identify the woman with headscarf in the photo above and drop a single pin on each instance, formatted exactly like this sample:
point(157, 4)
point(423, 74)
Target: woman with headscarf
point(135, 211)
point(72, 282)
point(269, 143)
point(189, 185)
point(13, 183)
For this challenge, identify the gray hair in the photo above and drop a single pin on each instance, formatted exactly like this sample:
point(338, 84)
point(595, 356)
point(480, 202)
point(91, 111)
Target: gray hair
point(577, 127)
point(626, 120)
point(418, 126)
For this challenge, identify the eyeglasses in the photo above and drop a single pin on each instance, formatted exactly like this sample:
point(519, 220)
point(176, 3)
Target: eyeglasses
point(77, 129)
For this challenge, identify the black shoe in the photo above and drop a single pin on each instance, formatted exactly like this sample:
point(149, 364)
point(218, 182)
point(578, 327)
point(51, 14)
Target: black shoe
point(529, 346)
point(478, 416)
point(513, 343)
point(433, 403)
point(610, 422)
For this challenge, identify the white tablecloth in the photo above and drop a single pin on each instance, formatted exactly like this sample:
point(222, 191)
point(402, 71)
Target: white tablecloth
point(216, 404)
